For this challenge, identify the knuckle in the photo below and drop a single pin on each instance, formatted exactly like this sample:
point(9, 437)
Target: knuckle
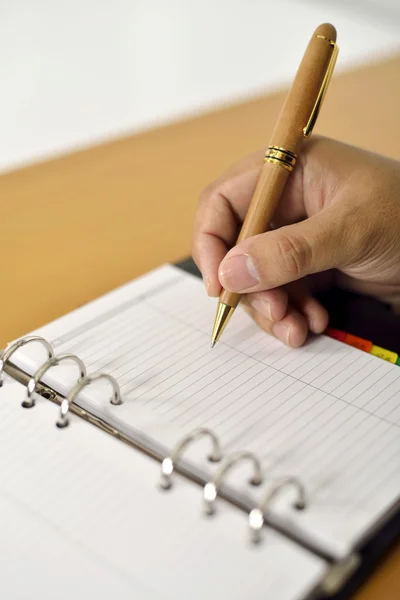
point(208, 193)
point(211, 203)
point(294, 254)
point(364, 235)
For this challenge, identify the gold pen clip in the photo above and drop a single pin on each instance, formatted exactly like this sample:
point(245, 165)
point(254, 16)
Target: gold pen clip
point(325, 83)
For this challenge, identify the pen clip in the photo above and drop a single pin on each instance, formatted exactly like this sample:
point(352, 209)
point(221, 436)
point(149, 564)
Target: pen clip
point(324, 86)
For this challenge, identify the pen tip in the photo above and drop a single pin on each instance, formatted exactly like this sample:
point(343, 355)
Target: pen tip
point(213, 344)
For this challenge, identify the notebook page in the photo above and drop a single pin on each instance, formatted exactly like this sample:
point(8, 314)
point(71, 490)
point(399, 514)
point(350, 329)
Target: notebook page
point(86, 496)
point(328, 413)
point(37, 561)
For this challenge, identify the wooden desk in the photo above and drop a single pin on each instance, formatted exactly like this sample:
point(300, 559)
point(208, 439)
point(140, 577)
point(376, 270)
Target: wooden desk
point(74, 228)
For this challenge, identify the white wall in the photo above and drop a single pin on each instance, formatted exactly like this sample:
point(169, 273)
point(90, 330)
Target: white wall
point(76, 72)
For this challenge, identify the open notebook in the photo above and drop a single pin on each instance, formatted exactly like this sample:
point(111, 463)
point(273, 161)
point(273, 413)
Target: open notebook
point(82, 516)
point(327, 414)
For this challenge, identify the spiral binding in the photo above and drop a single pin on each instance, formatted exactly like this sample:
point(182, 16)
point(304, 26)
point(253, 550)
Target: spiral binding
point(66, 403)
point(256, 519)
point(256, 515)
point(211, 488)
point(9, 351)
point(168, 464)
point(210, 491)
point(53, 361)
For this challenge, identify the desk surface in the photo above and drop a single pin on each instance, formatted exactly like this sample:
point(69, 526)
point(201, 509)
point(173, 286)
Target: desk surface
point(76, 227)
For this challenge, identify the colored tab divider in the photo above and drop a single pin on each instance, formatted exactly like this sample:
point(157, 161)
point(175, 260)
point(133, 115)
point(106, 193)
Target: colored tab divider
point(335, 333)
point(358, 342)
point(385, 354)
point(364, 345)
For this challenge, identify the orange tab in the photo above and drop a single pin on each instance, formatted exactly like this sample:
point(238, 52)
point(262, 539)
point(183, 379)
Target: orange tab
point(357, 342)
point(335, 333)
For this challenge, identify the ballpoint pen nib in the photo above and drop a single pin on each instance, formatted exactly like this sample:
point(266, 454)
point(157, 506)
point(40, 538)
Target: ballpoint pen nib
point(224, 312)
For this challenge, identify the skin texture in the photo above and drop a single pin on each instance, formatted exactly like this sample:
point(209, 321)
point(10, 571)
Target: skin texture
point(337, 221)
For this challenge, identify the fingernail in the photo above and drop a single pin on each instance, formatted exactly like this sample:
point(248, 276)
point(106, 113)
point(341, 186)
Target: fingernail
point(282, 332)
point(263, 307)
point(238, 273)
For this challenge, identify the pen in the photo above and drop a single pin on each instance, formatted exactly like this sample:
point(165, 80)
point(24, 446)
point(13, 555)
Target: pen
point(295, 124)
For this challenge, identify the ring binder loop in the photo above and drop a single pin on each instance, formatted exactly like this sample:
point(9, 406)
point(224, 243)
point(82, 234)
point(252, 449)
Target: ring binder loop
point(256, 516)
point(211, 488)
point(8, 352)
point(66, 403)
point(168, 464)
point(29, 402)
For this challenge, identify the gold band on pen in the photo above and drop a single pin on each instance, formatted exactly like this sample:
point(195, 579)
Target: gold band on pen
point(280, 156)
point(296, 122)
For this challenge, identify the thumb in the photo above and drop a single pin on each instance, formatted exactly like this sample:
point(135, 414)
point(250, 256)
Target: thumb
point(278, 257)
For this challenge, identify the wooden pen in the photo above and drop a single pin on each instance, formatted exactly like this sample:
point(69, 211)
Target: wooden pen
point(295, 124)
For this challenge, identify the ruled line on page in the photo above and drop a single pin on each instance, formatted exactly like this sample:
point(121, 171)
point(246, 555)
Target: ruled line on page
point(117, 310)
point(334, 361)
point(325, 412)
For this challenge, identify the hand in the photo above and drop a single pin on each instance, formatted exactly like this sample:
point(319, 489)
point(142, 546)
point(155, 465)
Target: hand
point(337, 221)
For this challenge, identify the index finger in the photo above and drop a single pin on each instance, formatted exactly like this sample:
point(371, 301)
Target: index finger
point(222, 208)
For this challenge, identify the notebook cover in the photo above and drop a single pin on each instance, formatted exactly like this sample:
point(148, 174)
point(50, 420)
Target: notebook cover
point(370, 319)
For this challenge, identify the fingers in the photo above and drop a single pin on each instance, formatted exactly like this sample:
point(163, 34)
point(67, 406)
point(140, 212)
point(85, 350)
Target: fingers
point(221, 210)
point(272, 304)
point(208, 258)
point(324, 223)
point(314, 313)
point(279, 257)
point(223, 206)
point(291, 330)
point(287, 313)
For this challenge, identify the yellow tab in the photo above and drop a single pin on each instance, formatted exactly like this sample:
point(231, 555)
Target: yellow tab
point(385, 354)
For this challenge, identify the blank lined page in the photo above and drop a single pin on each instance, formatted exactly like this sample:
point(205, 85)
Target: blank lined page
point(83, 515)
point(326, 412)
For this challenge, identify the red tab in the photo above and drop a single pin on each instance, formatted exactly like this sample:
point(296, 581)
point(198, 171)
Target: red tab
point(336, 333)
point(357, 342)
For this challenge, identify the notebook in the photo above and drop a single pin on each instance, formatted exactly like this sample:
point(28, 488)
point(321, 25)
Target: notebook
point(82, 516)
point(326, 416)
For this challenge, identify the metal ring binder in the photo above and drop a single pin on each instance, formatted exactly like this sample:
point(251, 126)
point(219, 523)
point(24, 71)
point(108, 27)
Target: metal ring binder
point(256, 516)
point(66, 403)
point(29, 402)
point(18, 344)
point(168, 464)
point(210, 491)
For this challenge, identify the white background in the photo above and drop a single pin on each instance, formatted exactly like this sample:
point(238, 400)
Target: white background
point(78, 72)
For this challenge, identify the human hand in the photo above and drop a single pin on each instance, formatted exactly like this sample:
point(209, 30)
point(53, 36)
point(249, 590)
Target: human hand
point(337, 221)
